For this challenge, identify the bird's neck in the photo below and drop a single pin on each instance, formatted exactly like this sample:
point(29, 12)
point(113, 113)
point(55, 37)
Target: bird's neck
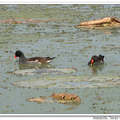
point(22, 59)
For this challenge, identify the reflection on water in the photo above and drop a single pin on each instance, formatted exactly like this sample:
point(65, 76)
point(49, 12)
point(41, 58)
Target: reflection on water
point(95, 69)
point(55, 35)
point(36, 66)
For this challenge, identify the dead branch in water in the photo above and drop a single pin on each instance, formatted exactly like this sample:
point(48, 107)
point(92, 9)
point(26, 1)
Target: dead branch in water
point(108, 21)
point(24, 21)
point(63, 98)
point(66, 98)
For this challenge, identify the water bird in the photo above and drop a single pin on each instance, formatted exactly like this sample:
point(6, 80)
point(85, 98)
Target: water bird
point(24, 60)
point(95, 60)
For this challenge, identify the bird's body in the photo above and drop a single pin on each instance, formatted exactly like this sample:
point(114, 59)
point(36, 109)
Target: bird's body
point(96, 60)
point(24, 60)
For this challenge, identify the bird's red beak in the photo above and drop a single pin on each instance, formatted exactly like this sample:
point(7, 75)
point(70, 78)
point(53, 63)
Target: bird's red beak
point(15, 57)
point(92, 61)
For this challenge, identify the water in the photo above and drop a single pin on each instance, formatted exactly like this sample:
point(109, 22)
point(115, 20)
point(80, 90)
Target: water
point(56, 36)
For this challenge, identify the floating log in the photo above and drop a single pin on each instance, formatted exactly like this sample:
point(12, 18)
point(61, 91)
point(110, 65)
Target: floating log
point(38, 100)
point(62, 98)
point(65, 98)
point(108, 21)
point(24, 21)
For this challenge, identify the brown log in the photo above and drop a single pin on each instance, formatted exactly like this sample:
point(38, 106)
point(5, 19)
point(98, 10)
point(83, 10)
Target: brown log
point(38, 100)
point(105, 21)
point(66, 97)
point(101, 21)
point(22, 20)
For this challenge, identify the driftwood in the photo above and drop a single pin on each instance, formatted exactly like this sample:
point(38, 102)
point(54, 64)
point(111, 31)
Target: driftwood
point(63, 98)
point(66, 98)
point(108, 21)
point(38, 100)
point(24, 21)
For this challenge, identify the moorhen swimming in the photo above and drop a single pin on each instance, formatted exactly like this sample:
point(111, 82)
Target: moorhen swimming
point(95, 60)
point(24, 60)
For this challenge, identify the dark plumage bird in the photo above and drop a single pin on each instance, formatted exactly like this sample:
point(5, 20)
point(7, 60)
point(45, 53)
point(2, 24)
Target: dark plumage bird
point(24, 60)
point(95, 60)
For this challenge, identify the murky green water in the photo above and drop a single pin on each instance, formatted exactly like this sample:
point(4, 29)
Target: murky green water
point(98, 88)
